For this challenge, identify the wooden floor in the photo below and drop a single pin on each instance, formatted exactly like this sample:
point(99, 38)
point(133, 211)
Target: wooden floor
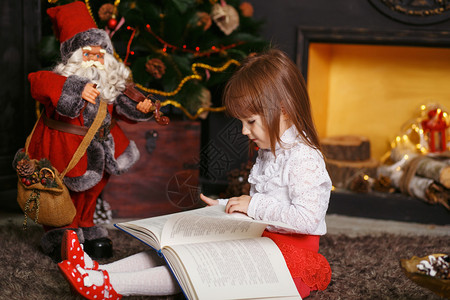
point(163, 181)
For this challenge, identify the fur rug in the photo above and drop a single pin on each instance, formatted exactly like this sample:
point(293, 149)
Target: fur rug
point(365, 267)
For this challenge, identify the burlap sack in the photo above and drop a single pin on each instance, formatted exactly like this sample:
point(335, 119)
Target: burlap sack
point(47, 206)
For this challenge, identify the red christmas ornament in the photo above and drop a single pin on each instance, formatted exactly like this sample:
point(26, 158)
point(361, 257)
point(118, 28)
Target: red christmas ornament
point(112, 23)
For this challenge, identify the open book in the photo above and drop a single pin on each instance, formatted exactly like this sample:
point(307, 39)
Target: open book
point(215, 255)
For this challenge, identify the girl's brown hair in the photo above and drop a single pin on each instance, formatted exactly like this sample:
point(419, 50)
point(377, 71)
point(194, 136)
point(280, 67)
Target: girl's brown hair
point(268, 84)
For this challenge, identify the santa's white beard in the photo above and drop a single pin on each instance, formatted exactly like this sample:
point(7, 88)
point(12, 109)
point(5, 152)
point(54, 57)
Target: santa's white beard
point(110, 81)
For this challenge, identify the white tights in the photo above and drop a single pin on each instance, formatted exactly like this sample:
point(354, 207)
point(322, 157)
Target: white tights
point(144, 273)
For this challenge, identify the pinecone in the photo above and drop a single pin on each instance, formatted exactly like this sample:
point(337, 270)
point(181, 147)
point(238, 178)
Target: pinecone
point(383, 184)
point(106, 11)
point(155, 67)
point(359, 185)
point(25, 167)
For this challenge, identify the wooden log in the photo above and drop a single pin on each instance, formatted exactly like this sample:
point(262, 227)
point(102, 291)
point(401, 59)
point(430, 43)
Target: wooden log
point(438, 194)
point(341, 172)
point(438, 170)
point(419, 187)
point(346, 147)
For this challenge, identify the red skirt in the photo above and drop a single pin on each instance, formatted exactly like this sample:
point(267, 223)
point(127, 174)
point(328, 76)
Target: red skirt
point(309, 269)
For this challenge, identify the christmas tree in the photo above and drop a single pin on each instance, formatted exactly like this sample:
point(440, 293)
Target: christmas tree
point(182, 51)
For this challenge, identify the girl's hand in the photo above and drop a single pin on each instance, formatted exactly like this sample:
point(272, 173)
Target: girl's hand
point(145, 106)
point(238, 204)
point(90, 93)
point(209, 201)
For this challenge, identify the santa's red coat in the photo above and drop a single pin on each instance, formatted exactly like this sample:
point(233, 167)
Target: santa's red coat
point(49, 88)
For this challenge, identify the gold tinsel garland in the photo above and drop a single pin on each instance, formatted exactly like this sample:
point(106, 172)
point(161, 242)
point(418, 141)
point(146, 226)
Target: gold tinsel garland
point(190, 77)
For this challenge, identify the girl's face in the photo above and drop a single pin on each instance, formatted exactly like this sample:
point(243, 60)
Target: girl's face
point(254, 129)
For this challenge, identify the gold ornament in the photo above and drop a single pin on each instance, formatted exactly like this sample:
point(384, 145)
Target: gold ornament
point(226, 17)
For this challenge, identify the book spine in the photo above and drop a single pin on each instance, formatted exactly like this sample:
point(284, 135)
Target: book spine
point(157, 251)
point(173, 274)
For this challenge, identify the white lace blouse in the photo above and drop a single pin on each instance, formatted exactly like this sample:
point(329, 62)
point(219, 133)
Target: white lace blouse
point(292, 187)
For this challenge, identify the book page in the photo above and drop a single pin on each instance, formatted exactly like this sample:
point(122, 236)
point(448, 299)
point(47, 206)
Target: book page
point(149, 230)
point(233, 269)
point(219, 211)
point(198, 228)
point(212, 221)
point(146, 230)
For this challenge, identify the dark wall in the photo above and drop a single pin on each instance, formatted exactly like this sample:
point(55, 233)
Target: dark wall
point(19, 35)
point(283, 17)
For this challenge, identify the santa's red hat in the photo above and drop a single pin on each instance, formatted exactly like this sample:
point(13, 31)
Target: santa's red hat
point(75, 28)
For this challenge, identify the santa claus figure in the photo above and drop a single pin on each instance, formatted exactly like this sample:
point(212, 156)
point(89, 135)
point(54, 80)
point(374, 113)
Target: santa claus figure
point(71, 95)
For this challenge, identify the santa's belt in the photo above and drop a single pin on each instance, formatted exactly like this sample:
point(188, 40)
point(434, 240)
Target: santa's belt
point(75, 129)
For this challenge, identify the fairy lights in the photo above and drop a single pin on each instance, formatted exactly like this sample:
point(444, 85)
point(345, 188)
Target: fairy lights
point(185, 49)
point(129, 44)
point(415, 138)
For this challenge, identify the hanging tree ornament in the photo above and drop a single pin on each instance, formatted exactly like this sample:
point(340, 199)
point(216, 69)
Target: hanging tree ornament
point(204, 20)
point(155, 67)
point(205, 100)
point(112, 23)
point(107, 13)
point(225, 16)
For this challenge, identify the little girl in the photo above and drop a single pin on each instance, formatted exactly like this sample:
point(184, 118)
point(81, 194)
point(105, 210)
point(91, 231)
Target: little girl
point(289, 183)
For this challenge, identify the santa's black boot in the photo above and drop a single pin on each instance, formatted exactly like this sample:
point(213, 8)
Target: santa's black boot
point(97, 243)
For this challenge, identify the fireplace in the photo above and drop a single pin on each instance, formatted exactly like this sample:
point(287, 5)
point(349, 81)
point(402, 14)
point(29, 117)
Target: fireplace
point(369, 83)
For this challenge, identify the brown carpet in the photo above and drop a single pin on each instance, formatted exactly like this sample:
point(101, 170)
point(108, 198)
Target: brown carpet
point(365, 267)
